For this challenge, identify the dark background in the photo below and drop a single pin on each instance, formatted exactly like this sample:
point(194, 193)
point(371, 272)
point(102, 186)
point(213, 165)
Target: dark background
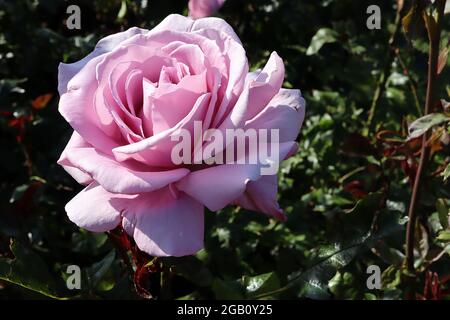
point(346, 195)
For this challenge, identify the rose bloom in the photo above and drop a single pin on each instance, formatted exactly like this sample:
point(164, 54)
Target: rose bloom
point(203, 8)
point(132, 94)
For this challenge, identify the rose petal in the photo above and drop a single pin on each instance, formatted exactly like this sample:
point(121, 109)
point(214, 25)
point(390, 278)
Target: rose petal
point(118, 87)
point(169, 105)
point(228, 183)
point(236, 69)
point(163, 225)
point(284, 112)
point(176, 22)
point(215, 24)
point(134, 90)
point(156, 150)
point(236, 118)
point(192, 56)
point(266, 85)
point(91, 209)
point(112, 67)
point(67, 71)
point(121, 177)
point(77, 108)
point(261, 196)
point(76, 141)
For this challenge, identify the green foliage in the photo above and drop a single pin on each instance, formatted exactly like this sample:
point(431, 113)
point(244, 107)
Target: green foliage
point(322, 37)
point(422, 125)
point(27, 270)
point(446, 172)
point(346, 192)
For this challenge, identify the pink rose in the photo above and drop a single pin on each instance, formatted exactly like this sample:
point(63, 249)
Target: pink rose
point(203, 8)
point(137, 90)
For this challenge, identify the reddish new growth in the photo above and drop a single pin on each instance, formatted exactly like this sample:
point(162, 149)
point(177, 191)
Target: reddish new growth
point(141, 264)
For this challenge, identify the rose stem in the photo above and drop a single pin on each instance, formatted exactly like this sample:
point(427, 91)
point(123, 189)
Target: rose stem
point(434, 38)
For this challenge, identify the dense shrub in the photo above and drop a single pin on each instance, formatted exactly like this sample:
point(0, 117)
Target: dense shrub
point(346, 192)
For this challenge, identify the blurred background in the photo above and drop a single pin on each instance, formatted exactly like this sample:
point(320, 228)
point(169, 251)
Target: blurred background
point(345, 193)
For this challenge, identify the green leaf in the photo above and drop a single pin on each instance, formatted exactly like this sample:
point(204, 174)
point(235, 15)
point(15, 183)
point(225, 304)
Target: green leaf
point(323, 36)
point(434, 223)
point(18, 193)
point(446, 173)
point(443, 211)
point(313, 282)
point(261, 284)
point(123, 10)
point(342, 285)
point(88, 242)
point(391, 277)
point(388, 254)
point(27, 270)
point(444, 236)
point(98, 270)
point(227, 290)
point(422, 125)
point(370, 296)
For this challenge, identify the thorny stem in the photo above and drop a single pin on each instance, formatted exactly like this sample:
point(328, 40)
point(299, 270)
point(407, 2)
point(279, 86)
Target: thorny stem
point(434, 38)
point(122, 253)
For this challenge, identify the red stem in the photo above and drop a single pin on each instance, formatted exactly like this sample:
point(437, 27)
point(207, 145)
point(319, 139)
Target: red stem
point(434, 38)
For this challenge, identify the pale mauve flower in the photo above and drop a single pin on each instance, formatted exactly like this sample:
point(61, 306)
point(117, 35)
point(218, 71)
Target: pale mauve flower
point(137, 89)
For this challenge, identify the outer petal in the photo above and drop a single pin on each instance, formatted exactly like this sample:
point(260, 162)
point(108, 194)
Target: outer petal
point(66, 71)
point(284, 112)
point(121, 177)
point(76, 141)
point(266, 85)
point(256, 95)
point(76, 106)
point(216, 24)
point(176, 22)
point(163, 225)
point(237, 71)
point(218, 186)
point(261, 196)
point(91, 209)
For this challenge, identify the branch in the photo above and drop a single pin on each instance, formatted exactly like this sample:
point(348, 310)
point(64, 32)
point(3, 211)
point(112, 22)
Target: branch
point(434, 34)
